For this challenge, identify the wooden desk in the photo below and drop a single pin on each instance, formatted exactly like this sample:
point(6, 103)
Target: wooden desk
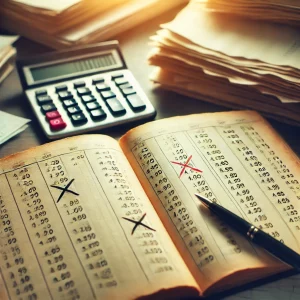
point(135, 47)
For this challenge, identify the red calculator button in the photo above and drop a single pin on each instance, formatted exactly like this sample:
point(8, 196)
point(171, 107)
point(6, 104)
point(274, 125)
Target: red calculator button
point(52, 115)
point(57, 124)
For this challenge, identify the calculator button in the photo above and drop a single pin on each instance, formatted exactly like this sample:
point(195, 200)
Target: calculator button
point(65, 95)
point(115, 106)
point(98, 114)
point(74, 110)
point(93, 105)
point(78, 119)
point(70, 102)
point(48, 107)
point(61, 88)
point(119, 75)
point(44, 100)
point(98, 80)
point(129, 91)
point(88, 98)
point(121, 80)
point(83, 91)
point(57, 124)
point(107, 94)
point(135, 102)
point(79, 84)
point(52, 115)
point(125, 86)
point(102, 87)
point(40, 92)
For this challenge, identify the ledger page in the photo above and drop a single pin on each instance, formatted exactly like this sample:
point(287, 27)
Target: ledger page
point(76, 224)
point(233, 158)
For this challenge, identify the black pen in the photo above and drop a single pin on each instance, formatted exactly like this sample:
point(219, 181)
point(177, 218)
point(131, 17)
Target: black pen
point(256, 235)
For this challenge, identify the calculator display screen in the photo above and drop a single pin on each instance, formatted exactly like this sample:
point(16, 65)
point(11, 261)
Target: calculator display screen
point(72, 67)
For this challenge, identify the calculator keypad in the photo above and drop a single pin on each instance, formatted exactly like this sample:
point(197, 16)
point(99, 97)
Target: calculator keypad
point(89, 103)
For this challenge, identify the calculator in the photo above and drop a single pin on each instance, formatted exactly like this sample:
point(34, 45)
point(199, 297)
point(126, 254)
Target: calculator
point(83, 89)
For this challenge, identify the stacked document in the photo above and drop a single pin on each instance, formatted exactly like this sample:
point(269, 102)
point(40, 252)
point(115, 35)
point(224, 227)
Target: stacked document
point(10, 126)
point(66, 23)
point(233, 62)
point(279, 11)
point(7, 55)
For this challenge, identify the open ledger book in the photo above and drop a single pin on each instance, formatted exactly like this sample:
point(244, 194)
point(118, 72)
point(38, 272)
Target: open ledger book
point(90, 218)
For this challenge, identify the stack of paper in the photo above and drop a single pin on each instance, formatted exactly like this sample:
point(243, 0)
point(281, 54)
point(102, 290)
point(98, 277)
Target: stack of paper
point(71, 22)
point(279, 11)
point(7, 55)
point(233, 62)
point(10, 126)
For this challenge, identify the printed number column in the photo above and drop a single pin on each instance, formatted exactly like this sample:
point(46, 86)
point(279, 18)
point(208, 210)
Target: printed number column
point(129, 208)
point(19, 267)
point(60, 266)
point(65, 175)
point(174, 206)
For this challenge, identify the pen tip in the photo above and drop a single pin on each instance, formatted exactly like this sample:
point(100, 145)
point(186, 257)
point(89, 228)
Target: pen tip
point(204, 200)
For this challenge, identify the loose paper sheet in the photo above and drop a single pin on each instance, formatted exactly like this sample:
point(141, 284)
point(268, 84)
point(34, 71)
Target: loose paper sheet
point(6, 40)
point(11, 125)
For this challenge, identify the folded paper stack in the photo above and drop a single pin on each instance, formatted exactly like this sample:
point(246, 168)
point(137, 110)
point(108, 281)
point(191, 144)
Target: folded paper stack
point(7, 55)
point(239, 63)
point(60, 24)
point(279, 11)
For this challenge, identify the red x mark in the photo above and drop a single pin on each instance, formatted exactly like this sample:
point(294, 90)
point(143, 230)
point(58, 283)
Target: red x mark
point(185, 165)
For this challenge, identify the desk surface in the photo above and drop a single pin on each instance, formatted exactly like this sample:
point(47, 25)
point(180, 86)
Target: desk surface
point(135, 47)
